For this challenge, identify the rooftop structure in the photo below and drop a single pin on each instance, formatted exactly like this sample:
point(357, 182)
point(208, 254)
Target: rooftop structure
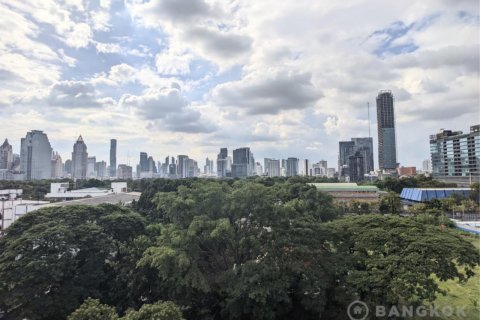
point(349, 191)
point(427, 194)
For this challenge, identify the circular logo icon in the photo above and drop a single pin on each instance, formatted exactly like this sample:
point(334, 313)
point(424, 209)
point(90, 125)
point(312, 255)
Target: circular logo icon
point(357, 310)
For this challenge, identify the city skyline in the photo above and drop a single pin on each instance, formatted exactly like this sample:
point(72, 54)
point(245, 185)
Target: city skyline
point(175, 79)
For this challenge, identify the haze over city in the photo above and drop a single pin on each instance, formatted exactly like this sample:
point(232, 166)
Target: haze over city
point(288, 79)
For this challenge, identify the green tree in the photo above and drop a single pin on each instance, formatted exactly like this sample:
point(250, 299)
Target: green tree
point(158, 311)
point(393, 259)
point(390, 203)
point(54, 258)
point(92, 309)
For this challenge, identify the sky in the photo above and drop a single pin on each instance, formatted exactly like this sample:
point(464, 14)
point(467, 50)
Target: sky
point(287, 78)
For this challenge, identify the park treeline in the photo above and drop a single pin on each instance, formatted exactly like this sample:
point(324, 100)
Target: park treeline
point(212, 249)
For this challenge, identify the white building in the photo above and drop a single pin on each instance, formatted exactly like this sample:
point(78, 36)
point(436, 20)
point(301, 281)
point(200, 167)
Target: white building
point(57, 166)
point(79, 159)
point(60, 191)
point(36, 156)
point(6, 156)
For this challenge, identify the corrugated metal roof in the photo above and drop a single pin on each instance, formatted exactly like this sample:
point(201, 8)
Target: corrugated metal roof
point(427, 194)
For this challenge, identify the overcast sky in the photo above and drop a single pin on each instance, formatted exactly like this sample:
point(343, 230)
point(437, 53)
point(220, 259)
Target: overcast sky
point(285, 77)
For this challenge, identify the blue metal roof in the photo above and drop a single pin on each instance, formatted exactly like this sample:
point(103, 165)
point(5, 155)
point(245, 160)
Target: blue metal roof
point(427, 194)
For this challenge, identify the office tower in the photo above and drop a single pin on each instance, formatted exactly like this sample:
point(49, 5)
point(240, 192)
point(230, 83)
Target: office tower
point(427, 165)
point(387, 147)
point(143, 162)
point(346, 149)
point(455, 153)
point(182, 166)
point(192, 169)
point(349, 148)
point(323, 164)
point(292, 167)
point(68, 167)
point(330, 172)
point(224, 163)
point(356, 167)
point(271, 167)
point(151, 165)
point(365, 147)
point(101, 169)
point(91, 172)
point(124, 172)
point(258, 169)
point(57, 166)
point(6, 156)
point(242, 163)
point(113, 158)
point(36, 156)
point(208, 168)
point(79, 159)
point(305, 167)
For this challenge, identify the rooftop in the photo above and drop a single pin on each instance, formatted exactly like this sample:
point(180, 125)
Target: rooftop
point(111, 199)
point(344, 187)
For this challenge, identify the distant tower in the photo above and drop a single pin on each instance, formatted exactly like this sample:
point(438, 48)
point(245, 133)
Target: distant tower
point(36, 156)
point(6, 156)
point(113, 158)
point(387, 146)
point(79, 159)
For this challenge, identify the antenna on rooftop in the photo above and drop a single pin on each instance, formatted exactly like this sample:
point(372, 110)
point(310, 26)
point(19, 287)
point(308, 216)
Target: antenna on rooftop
point(368, 112)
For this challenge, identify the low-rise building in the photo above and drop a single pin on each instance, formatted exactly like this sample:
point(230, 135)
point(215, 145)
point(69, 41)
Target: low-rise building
point(349, 191)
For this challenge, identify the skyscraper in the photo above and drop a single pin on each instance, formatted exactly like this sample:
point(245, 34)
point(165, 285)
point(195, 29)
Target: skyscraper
point(182, 166)
point(101, 169)
point(143, 162)
point(243, 163)
point(271, 167)
point(6, 156)
point(124, 172)
point(57, 166)
point(355, 167)
point(113, 158)
point(36, 156)
point(364, 146)
point(292, 167)
point(79, 159)
point(223, 163)
point(387, 147)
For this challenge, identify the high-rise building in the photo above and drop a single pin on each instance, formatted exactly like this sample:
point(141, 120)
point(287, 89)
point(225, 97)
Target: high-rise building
point(427, 165)
point(271, 167)
point(113, 158)
point(68, 167)
point(36, 156)
point(224, 163)
point(208, 168)
point(346, 149)
point(143, 162)
point(455, 153)
point(182, 166)
point(124, 172)
point(292, 167)
point(243, 163)
point(101, 169)
point(57, 166)
point(356, 167)
point(79, 159)
point(151, 165)
point(258, 169)
point(91, 172)
point(364, 146)
point(6, 156)
point(192, 168)
point(387, 146)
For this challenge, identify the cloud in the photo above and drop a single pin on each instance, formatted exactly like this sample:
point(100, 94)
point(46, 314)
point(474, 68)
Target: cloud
point(155, 104)
point(73, 94)
point(257, 94)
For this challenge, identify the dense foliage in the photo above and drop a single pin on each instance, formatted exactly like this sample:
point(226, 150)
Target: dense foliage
point(233, 249)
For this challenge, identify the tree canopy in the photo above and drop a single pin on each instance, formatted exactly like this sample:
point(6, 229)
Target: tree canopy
point(236, 249)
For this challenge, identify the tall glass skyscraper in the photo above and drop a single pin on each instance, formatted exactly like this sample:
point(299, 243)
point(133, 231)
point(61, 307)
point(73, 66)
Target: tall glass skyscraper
point(36, 156)
point(79, 159)
point(387, 146)
point(113, 158)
